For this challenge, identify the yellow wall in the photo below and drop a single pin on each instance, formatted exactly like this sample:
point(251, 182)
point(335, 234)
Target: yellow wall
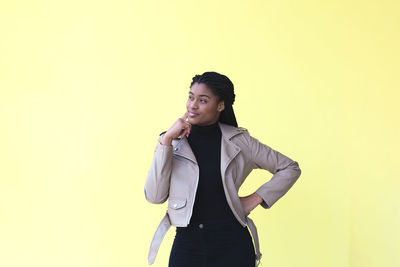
point(87, 86)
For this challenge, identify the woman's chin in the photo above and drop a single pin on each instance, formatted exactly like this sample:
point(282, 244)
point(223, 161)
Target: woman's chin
point(192, 120)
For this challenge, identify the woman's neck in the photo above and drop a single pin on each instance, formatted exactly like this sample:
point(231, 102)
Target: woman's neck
point(204, 129)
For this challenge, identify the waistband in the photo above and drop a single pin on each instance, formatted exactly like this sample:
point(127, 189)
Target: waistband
point(165, 224)
point(228, 221)
point(219, 224)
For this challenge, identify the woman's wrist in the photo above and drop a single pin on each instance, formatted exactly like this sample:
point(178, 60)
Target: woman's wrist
point(166, 140)
point(250, 202)
point(258, 198)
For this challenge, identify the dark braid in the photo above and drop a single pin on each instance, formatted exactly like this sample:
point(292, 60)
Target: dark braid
point(223, 88)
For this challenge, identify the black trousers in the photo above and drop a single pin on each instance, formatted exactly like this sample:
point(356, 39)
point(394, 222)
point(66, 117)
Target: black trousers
point(223, 243)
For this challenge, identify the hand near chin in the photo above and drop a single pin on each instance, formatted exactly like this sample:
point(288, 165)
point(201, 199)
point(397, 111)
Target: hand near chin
point(180, 129)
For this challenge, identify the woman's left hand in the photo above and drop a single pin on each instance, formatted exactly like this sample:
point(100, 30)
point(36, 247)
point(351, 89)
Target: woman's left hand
point(250, 202)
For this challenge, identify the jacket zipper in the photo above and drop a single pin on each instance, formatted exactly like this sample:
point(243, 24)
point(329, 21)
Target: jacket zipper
point(230, 204)
point(195, 190)
point(194, 196)
point(227, 194)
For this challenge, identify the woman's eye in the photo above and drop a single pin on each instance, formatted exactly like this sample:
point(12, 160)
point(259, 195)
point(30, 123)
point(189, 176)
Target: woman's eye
point(203, 101)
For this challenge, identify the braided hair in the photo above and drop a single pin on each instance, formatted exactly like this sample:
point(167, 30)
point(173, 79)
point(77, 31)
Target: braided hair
point(222, 87)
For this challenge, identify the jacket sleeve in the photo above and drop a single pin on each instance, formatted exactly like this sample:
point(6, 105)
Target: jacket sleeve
point(285, 171)
point(156, 189)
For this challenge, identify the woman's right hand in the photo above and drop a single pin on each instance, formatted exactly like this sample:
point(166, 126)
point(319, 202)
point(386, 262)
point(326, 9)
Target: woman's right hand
point(179, 129)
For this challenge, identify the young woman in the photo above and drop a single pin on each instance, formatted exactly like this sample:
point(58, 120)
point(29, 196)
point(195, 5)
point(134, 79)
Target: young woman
point(199, 165)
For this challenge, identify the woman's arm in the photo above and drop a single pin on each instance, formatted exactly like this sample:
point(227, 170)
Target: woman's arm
point(285, 172)
point(156, 189)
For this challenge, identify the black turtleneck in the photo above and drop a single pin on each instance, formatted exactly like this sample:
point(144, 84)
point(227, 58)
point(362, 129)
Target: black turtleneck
point(210, 202)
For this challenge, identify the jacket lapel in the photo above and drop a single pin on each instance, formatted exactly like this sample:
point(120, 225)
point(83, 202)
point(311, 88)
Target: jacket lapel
point(229, 150)
point(183, 149)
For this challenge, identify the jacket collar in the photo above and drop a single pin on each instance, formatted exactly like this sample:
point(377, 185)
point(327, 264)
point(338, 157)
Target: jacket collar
point(228, 149)
point(228, 131)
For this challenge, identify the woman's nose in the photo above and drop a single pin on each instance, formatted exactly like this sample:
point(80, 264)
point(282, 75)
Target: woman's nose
point(193, 104)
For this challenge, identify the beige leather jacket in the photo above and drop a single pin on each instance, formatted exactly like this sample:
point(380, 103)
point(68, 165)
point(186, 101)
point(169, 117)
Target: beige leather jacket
point(174, 175)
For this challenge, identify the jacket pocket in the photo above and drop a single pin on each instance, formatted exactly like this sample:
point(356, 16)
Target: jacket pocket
point(176, 203)
point(177, 211)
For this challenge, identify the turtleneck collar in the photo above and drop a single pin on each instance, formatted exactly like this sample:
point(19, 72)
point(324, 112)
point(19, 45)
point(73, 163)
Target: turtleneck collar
point(204, 130)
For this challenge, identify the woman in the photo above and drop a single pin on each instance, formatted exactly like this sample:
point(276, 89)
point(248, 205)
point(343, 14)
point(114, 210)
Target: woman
point(199, 165)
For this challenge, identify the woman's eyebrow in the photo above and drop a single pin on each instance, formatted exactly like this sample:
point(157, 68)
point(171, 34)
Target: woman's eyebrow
point(199, 95)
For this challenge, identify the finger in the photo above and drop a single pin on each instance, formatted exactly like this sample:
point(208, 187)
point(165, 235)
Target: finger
point(185, 116)
point(183, 131)
point(186, 133)
point(185, 128)
point(189, 127)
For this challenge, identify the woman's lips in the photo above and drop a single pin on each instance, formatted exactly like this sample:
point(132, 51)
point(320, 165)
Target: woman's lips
point(192, 114)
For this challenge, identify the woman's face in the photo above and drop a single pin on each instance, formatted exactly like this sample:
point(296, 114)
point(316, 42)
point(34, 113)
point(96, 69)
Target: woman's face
point(202, 105)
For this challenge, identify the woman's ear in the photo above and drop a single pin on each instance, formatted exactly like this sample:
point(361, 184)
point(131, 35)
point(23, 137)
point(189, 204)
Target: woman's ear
point(221, 106)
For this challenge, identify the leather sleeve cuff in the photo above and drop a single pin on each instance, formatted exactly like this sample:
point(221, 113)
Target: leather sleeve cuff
point(264, 203)
point(163, 148)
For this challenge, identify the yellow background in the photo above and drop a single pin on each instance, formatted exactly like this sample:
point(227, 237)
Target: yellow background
point(87, 86)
